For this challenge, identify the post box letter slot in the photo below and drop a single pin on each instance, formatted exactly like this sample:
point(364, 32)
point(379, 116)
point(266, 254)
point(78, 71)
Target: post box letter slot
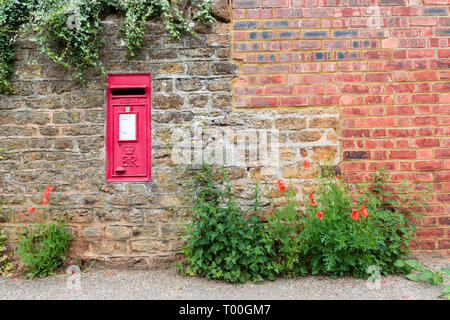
point(128, 91)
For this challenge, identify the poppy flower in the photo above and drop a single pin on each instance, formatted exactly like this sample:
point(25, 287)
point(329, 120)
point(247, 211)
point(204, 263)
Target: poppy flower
point(338, 177)
point(45, 201)
point(295, 250)
point(312, 200)
point(49, 188)
point(319, 214)
point(30, 209)
point(355, 214)
point(364, 211)
point(306, 164)
point(46, 193)
point(281, 186)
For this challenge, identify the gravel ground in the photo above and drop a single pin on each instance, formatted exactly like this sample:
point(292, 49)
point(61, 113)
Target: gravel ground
point(122, 284)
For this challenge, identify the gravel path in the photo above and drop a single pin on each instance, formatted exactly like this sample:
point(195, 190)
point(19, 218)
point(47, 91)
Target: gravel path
point(168, 284)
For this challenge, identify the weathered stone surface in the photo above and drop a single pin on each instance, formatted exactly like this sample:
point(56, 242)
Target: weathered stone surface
point(167, 101)
point(220, 10)
point(118, 232)
point(290, 123)
point(305, 135)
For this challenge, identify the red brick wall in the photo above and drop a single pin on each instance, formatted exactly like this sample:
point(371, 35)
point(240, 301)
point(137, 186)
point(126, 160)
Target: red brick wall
point(383, 63)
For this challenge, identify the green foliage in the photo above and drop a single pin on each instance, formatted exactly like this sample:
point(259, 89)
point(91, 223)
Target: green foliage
point(220, 243)
point(338, 244)
point(6, 266)
point(416, 271)
point(337, 234)
point(404, 197)
point(67, 30)
point(284, 229)
point(12, 14)
point(43, 247)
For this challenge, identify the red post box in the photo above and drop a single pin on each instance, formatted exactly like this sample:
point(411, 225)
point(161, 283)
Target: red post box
point(128, 127)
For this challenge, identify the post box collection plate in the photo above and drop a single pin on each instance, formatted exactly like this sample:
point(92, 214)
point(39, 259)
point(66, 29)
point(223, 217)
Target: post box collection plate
point(128, 127)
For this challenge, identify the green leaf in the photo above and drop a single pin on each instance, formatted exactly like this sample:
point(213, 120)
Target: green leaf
point(413, 277)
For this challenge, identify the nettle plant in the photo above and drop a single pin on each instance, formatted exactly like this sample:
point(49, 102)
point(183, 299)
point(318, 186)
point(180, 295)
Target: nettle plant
point(220, 243)
point(68, 30)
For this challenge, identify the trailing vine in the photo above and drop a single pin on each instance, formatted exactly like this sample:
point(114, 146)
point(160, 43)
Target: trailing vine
point(68, 30)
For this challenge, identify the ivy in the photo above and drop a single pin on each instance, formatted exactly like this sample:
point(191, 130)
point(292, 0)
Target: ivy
point(68, 30)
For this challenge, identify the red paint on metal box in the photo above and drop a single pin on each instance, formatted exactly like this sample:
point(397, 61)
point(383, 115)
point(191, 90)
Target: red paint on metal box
point(128, 127)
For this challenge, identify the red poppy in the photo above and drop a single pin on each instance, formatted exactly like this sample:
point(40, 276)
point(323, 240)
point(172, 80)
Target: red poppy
point(306, 164)
point(30, 209)
point(312, 200)
point(319, 214)
point(295, 250)
point(355, 214)
point(49, 188)
point(364, 211)
point(45, 201)
point(281, 185)
point(338, 177)
point(46, 193)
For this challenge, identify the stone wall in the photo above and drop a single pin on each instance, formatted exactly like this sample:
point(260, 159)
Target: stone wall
point(382, 63)
point(53, 132)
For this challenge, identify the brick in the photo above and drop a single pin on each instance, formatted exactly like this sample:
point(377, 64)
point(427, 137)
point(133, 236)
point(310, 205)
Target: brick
point(347, 133)
point(278, 90)
point(421, 98)
point(380, 122)
point(403, 154)
point(422, 21)
point(400, 110)
point(442, 153)
point(428, 165)
point(426, 142)
point(294, 101)
point(239, 4)
point(378, 77)
point(276, 79)
point(378, 54)
point(263, 101)
point(356, 155)
point(427, 120)
point(443, 53)
point(316, 78)
point(429, 232)
point(245, 25)
point(423, 75)
point(274, 3)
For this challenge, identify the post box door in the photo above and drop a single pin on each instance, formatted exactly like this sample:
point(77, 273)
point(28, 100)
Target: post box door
point(128, 128)
point(129, 141)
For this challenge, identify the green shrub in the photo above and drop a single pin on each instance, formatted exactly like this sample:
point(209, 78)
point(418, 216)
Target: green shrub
point(220, 243)
point(43, 247)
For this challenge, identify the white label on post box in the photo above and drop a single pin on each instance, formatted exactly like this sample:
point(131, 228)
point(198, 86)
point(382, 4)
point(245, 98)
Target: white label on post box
point(127, 126)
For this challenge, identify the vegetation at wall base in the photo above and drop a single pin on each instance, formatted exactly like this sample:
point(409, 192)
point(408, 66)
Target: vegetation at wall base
point(42, 247)
point(336, 233)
